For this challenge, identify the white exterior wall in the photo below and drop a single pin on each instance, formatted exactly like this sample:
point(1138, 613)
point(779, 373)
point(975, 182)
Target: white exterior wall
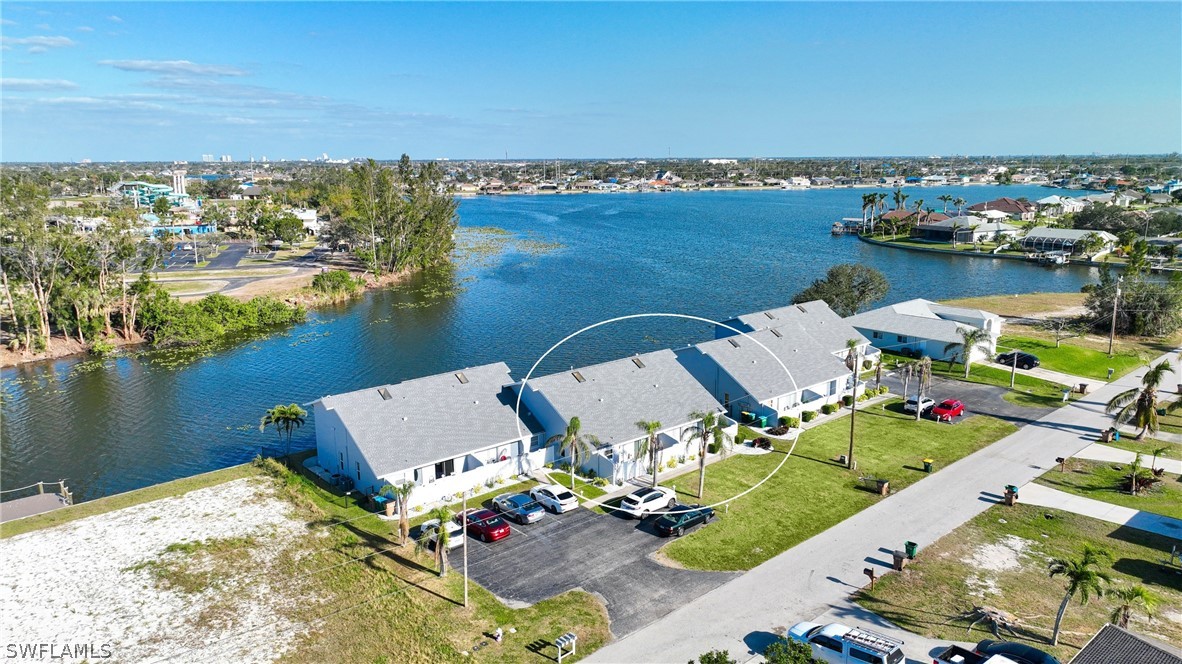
point(336, 451)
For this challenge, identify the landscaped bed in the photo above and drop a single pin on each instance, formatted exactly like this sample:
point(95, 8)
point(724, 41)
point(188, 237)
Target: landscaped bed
point(1000, 559)
point(812, 492)
point(1101, 480)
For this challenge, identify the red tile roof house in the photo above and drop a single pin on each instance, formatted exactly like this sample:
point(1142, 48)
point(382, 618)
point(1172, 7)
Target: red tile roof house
point(1015, 209)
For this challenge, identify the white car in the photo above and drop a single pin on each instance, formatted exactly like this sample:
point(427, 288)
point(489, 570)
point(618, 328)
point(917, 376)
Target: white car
point(643, 502)
point(924, 405)
point(554, 498)
point(455, 532)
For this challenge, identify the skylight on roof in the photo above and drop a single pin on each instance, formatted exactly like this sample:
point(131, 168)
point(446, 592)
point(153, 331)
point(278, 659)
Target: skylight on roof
point(638, 363)
point(461, 377)
point(385, 393)
point(733, 342)
point(578, 376)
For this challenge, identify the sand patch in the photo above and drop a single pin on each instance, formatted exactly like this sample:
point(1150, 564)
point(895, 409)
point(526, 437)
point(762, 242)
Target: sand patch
point(991, 560)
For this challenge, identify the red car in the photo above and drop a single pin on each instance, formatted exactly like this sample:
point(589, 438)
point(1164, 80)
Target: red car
point(948, 409)
point(485, 524)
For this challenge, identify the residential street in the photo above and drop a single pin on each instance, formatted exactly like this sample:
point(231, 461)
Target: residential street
point(818, 574)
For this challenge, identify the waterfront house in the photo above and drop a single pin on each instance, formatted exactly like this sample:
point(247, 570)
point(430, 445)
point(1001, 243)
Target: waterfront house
point(1071, 240)
point(967, 228)
point(922, 328)
point(446, 434)
point(744, 372)
point(905, 215)
point(1057, 206)
point(1013, 208)
point(609, 399)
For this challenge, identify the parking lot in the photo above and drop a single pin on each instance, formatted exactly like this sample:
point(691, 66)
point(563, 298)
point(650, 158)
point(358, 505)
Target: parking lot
point(978, 398)
point(601, 554)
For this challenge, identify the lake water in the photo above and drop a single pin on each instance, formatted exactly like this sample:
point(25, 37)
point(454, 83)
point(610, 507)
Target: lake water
point(122, 423)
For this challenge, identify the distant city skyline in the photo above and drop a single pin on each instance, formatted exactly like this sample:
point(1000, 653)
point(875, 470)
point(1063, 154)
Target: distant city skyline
point(178, 81)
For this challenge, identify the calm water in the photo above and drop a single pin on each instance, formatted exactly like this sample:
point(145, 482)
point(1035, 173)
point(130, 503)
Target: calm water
point(122, 423)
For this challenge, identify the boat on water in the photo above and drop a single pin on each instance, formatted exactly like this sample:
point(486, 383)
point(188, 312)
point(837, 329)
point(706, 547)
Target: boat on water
point(1051, 258)
point(848, 225)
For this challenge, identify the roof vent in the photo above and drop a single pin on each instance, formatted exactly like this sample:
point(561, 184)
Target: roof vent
point(733, 342)
point(461, 377)
point(476, 402)
point(801, 309)
point(770, 315)
point(578, 376)
point(638, 363)
point(385, 393)
point(777, 333)
point(404, 418)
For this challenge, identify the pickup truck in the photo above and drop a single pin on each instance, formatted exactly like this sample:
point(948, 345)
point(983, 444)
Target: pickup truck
point(958, 655)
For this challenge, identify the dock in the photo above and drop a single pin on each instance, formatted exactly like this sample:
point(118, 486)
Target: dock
point(38, 503)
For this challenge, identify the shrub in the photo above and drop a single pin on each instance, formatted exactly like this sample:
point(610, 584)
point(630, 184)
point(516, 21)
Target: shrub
point(867, 365)
point(828, 409)
point(712, 448)
point(791, 422)
point(778, 431)
point(788, 652)
point(600, 481)
point(671, 464)
point(847, 400)
point(564, 467)
point(808, 415)
point(590, 474)
point(336, 282)
point(102, 347)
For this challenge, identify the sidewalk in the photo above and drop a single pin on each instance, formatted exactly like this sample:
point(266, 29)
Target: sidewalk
point(1045, 496)
point(1099, 452)
point(819, 573)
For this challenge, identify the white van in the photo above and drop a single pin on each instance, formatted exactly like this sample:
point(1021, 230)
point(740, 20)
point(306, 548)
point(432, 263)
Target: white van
point(847, 645)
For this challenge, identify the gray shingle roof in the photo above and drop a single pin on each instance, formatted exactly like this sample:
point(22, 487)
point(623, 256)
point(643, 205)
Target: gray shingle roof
point(615, 395)
point(431, 418)
point(808, 361)
point(1067, 234)
point(914, 318)
point(814, 319)
point(1113, 645)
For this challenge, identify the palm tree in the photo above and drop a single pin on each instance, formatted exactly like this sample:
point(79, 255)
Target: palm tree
point(972, 339)
point(442, 537)
point(900, 198)
point(575, 445)
point(880, 205)
point(1138, 473)
point(907, 371)
point(867, 204)
point(402, 495)
point(919, 211)
point(650, 447)
point(1160, 451)
point(923, 370)
point(852, 363)
point(946, 199)
point(1082, 578)
point(955, 230)
point(285, 419)
point(959, 203)
point(1131, 598)
point(709, 430)
point(1138, 406)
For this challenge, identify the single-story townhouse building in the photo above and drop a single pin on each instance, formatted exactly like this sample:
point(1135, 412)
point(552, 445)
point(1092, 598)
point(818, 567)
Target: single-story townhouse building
point(1115, 645)
point(446, 434)
point(610, 398)
point(809, 339)
point(1072, 240)
point(967, 228)
point(1057, 206)
point(924, 328)
point(1014, 209)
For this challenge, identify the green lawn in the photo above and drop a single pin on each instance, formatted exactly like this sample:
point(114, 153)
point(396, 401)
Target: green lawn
point(1146, 446)
point(1074, 360)
point(811, 492)
point(1100, 480)
point(1028, 390)
point(999, 559)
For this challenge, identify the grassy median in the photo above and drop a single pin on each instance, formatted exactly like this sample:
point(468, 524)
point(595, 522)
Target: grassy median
point(1101, 480)
point(1075, 360)
point(812, 491)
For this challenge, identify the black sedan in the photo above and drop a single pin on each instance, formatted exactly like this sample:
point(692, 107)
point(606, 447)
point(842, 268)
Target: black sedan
point(1024, 360)
point(681, 517)
point(1018, 652)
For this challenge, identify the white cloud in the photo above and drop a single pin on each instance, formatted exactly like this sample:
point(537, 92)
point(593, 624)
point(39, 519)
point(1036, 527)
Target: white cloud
point(37, 44)
point(174, 67)
point(114, 18)
point(37, 84)
point(42, 26)
point(84, 28)
point(6, 21)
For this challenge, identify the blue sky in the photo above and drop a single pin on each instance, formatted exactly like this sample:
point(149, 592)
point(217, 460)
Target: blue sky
point(178, 80)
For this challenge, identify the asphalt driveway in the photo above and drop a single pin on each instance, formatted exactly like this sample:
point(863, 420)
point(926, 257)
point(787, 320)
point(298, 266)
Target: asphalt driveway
point(977, 398)
point(601, 554)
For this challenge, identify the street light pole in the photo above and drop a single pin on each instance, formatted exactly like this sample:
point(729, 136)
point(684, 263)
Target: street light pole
point(853, 408)
point(1112, 329)
point(464, 534)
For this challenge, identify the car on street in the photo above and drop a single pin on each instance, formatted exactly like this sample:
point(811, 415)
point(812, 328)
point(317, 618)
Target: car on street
point(956, 655)
point(948, 409)
point(1024, 360)
point(484, 524)
point(681, 518)
point(554, 498)
point(642, 502)
point(1020, 653)
point(518, 507)
point(922, 404)
point(430, 531)
point(839, 644)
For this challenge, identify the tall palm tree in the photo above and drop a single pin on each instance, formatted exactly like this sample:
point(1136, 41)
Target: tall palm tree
point(919, 211)
point(971, 339)
point(709, 429)
point(402, 495)
point(649, 446)
point(959, 203)
point(285, 419)
point(923, 371)
point(442, 537)
point(852, 362)
point(576, 445)
point(879, 206)
point(1138, 406)
point(1128, 599)
point(900, 198)
point(867, 204)
point(1082, 578)
point(945, 199)
point(955, 231)
point(907, 371)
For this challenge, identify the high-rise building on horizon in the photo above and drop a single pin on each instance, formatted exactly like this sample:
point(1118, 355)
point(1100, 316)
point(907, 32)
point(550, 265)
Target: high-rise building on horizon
point(227, 159)
point(207, 158)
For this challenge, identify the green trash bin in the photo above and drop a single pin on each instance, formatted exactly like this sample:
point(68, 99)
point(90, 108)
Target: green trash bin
point(762, 420)
point(911, 548)
point(927, 465)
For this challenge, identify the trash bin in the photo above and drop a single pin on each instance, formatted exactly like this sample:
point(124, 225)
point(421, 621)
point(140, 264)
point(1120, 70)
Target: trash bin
point(927, 465)
point(1106, 436)
point(900, 560)
point(1083, 388)
point(1011, 495)
point(911, 548)
point(761, 421)
point(883, 486)
point(1115, 434)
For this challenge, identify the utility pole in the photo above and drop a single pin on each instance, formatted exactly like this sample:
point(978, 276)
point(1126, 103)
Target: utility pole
point(464, 534)
point(1014, 366)
point(1112, 330)
point(853, 409)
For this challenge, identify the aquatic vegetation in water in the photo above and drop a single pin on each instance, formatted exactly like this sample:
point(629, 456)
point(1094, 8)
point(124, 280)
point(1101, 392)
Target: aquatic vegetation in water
point(478, 247)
